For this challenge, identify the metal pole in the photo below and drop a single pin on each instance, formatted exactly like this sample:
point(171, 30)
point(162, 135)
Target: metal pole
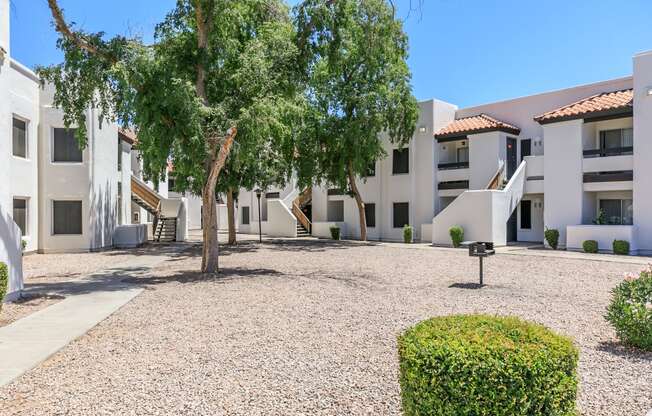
point(480, 270)
point(260, 230)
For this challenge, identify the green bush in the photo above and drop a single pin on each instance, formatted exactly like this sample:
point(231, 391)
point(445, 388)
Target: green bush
point(335, 232)
point(486, 365)
point(552, 237)
point(590, 246)
point(630, 310)
point(457, 235)
point(4, 282)
point(621, 247)
point(407, 233)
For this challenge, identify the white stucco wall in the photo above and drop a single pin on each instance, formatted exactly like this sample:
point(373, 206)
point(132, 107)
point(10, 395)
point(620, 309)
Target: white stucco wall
point(563, 185)
point(603, 234)
point(643, 150)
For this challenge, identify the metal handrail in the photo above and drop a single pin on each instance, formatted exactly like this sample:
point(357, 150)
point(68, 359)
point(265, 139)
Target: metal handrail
point(612, 151)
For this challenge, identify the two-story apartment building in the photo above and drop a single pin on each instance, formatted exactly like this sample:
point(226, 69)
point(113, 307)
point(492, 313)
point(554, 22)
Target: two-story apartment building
point(575, 160)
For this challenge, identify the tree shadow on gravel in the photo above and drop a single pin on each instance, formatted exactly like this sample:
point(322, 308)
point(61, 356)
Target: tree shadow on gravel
point(623, 351)
point(314, 245)
point(225, 275)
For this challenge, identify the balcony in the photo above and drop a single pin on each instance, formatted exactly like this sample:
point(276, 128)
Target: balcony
point(612, 159)
point(621, 180)
point(453, 185)
point(453, 165)
point(613, 151)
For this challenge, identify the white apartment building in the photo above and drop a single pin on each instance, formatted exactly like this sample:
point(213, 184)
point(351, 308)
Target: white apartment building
point(56, 197)
point(576, 160)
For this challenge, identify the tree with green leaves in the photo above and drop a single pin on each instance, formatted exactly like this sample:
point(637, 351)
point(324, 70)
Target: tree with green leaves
point(354, 54)
point(216, 68)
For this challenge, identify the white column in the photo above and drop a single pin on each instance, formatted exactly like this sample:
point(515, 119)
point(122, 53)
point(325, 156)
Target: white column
point(643, 150)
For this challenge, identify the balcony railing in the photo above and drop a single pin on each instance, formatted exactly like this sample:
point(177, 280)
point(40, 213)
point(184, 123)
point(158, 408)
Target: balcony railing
point(616, 176)
point(613, 151)
point(453, 185)
point(453, 165)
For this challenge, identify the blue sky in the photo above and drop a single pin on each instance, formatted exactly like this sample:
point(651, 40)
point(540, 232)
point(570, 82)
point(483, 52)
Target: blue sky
point(464, 52)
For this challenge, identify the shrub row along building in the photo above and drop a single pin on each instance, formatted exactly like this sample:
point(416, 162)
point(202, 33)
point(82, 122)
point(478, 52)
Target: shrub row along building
point(578, 160)
point(56, 197)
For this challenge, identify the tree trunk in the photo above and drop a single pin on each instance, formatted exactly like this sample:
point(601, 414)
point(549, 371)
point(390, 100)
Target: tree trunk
point(230, 208)
point(358, 200)
point(209, 261)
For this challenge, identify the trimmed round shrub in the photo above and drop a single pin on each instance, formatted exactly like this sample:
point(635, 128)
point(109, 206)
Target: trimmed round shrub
point(552, 237)
point(4, 282)
point(457, 235)
point(621, 247)
point(590, 246)
point(407, 233)
point(630, 310)
point(486, 365)
point(335, 233)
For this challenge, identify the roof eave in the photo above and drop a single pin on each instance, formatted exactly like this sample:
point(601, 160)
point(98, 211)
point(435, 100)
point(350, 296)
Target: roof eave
point(462, 134)
point(626, 111)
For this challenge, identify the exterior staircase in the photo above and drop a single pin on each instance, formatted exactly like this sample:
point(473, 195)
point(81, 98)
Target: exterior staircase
point(304, 226)
point(166, 229)
point(483, 213)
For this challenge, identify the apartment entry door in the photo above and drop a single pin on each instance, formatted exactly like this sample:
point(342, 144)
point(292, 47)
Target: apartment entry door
point(512, 157)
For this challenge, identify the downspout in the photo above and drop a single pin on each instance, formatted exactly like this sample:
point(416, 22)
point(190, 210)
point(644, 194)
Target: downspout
point(91, 168)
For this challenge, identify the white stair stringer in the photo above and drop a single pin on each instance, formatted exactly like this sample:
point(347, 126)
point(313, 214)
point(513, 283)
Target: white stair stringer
point(483, 214)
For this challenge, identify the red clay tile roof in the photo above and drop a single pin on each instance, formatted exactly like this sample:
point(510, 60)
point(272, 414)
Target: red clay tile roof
point(605, 103)
point(474, 125)
point(128, 136)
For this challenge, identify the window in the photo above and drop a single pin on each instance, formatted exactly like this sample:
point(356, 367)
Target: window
point(613, 139)
point(401, 161)
point(617, 211)
point(120, 203)
point(119, 155)
point(19, 137)
point(462, 154)
point(20, 214)
point(371, 170)
point(272, 195)
point(67, 217)
point(526, 215)
point(245, 216)
point(171, 184)
point(66, 146)
point(401, 214)
point(370, 215)
point(335, 211)
point(526, 148)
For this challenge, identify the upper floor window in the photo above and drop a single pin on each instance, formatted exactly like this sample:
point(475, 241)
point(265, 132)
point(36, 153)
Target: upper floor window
point(19, 138)
point(462, 154)
point(65, 146)
point(618, 138)
point(401, 161)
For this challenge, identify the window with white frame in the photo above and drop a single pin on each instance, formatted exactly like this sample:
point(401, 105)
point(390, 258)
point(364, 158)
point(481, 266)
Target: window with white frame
point(19, 138)
point(65, 146)
point(20, 214)
point(67, 217)
point(617, 211)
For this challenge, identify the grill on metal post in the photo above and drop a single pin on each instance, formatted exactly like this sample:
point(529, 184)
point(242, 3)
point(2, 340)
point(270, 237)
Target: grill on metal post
point(480, 250)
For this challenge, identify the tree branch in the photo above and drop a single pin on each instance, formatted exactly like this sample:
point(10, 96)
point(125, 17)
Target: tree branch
point(63, 28)
point(204, 23)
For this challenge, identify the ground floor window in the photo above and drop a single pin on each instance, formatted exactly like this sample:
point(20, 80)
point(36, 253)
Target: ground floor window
point(401, 214)
point(335, 211)
point(370, 214)
point(67, 217)
point(245, 216)
point(617, 211)
point(526, 215)
point(20, 214)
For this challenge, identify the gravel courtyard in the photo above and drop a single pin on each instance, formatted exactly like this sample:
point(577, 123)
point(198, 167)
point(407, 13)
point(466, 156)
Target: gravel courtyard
point(302, 327)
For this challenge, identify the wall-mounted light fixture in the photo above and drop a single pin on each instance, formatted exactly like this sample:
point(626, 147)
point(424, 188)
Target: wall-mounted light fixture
point(649, 91)
point(422, 129)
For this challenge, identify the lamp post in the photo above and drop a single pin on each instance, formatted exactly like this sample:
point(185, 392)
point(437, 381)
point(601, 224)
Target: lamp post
point(260, 230)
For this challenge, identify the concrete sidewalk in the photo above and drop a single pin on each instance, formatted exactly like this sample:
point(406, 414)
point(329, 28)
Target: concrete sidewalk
point(26, 343)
